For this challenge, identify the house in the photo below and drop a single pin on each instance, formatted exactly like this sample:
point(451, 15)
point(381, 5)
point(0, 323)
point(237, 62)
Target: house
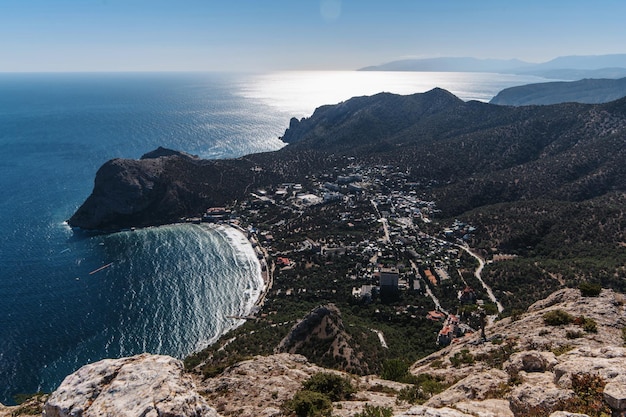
point(467, 295)
point(431, 277)
point(435, 315)
point(282, 261)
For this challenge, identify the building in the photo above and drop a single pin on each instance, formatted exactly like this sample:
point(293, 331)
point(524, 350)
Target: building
point(389, 280)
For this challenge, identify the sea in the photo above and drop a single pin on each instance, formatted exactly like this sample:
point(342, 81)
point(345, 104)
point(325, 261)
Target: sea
point(166, 290)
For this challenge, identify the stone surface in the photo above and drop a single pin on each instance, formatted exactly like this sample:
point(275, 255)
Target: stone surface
point(259, 387)
point(567, 414)
point(537, 392)
point(534, 376)
point(615, 394)
point(531, 361)
point(485, 408)
point(609, 362)
point(424, 411)
point(143, 385)
point(473, 387)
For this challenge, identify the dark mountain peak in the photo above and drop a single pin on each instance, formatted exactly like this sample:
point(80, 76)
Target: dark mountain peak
point(373, 117)
point(161, 151)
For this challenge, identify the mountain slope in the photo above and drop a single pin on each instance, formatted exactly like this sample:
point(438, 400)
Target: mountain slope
point(566, 67)
point(583, 91)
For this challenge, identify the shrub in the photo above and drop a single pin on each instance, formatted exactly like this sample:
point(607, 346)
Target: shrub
point(590, 326)
point(559, 350)
point(557, 318)
point(464, 356)
point(335, 387)
point(375, 411)
point(424, 387)
point(587, 289)
point(573, 334)
point(395, 370)
point(411, 395)
point(309, 404)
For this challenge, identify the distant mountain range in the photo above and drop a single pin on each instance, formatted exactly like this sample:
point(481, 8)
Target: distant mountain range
point(566, 67)
point(583, 91)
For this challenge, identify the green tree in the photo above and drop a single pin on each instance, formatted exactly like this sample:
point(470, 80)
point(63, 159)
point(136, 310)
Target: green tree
point(309, 404)
point(335, 387)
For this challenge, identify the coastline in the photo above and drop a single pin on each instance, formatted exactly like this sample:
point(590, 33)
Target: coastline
point(266, 266)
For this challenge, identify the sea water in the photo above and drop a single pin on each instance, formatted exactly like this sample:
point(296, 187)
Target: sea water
point(166, 290)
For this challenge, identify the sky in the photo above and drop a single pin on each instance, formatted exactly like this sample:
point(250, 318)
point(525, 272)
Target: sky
point(261, 35)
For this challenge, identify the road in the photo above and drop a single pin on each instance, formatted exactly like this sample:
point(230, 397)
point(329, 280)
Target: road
point(477, 274)
point(387, 238)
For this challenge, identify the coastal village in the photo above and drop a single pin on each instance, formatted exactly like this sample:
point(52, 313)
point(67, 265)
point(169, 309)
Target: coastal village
point(371, 231)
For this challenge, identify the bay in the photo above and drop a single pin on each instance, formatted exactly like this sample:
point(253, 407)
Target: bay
point(168, 290)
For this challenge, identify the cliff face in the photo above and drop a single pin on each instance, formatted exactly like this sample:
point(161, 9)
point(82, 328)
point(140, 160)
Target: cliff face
point(159, 188)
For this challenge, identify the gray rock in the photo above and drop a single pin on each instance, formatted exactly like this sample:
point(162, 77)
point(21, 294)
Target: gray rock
point(531, 361)
point(615, 394)
point(474, 387)
point(608, 362)
point(485, 408)
point(424, 411)
point(538, 392)
point(143, 385)
point(567, 414)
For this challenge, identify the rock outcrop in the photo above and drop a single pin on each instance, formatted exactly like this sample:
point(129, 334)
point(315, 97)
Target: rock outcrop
point(160, 188)
point(143, 385)
point(324, 329)
point(532, 365)
point(527, 368)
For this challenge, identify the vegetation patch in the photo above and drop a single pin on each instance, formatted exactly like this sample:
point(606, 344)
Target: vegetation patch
point(308, 404)
point(375, 411)
point(335, 387)
point(462, 357)
point(588, 289)
point(557, 318)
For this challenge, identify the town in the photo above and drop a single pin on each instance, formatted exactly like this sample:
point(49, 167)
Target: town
point(365, 234)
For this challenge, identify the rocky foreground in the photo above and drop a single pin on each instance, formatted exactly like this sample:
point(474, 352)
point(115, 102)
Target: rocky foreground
point(528, 368)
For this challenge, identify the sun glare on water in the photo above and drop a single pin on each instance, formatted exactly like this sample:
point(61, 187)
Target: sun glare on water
point(299, 93)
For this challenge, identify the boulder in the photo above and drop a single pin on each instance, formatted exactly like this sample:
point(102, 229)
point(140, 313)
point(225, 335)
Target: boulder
point(615, 394)
point(531, 361)
point(476, 386)
point(143, 385)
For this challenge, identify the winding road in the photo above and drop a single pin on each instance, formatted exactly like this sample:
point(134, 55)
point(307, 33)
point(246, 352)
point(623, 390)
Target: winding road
point(477, 274)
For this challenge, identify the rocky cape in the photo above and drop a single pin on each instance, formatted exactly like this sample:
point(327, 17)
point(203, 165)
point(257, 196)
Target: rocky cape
point(526, 367)
point(475, 154)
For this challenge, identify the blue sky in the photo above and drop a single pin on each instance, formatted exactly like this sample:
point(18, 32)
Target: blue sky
point(258, 35)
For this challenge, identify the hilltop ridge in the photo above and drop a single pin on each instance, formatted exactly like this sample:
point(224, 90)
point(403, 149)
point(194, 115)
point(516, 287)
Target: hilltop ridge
point(564, 67)
point(528, 366)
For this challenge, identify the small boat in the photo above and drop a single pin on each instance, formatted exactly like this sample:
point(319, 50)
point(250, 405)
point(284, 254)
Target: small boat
point(101, 268)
